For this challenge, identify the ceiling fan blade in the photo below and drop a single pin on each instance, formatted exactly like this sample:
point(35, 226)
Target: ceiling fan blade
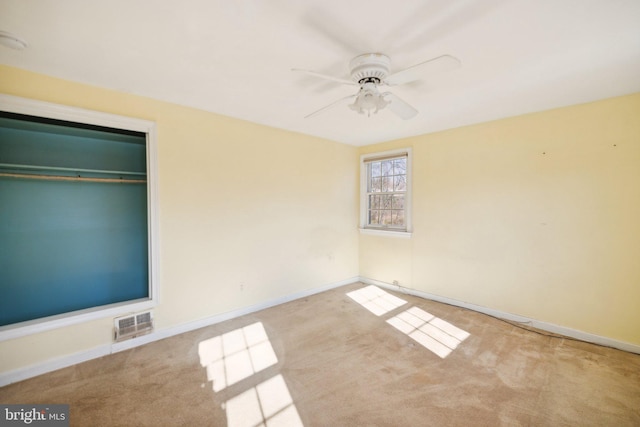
point(325, 77)
point(332, 105)
point(423, 69)
point(399, 107)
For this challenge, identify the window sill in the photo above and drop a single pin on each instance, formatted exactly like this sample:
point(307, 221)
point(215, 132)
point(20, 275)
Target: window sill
point(387, 233)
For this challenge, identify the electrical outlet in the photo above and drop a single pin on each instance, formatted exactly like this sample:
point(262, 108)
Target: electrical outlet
point(395, 283)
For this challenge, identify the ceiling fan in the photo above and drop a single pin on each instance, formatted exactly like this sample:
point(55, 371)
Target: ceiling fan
point(370, 71)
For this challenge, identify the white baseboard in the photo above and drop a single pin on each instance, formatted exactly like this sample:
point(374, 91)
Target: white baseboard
point(538, 324)
point(51, 365)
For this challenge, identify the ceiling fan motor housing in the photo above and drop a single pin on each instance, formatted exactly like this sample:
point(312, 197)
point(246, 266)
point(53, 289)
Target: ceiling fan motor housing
point(369, 68)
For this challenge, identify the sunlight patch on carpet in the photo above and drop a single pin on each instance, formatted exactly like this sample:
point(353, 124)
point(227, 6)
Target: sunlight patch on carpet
point(376, 300)
point(236, 355)
point(433, 333)
point(267, 404)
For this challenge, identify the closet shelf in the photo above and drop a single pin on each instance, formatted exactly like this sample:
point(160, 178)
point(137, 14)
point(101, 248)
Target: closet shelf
point(13, 166)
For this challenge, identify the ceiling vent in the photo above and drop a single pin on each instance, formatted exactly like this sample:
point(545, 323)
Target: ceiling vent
point(132, 326)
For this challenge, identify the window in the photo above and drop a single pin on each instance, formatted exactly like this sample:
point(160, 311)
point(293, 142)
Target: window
point(385, 191)
point(77, 232)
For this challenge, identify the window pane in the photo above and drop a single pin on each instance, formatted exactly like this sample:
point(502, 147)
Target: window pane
point(374, 202)
point(385, 217)
point(387, 183)
point(398, 201)
point(398, 217)
point(385, 201)
point(374, 217)
point(400, 183)
point(375, 169)
point(376, 185)
point(387, 167)
point(400, 166)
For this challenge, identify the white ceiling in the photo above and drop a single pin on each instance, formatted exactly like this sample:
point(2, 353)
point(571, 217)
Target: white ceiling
point(234, 57)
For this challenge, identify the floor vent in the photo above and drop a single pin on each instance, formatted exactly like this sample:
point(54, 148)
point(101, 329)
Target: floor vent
point(133, 325)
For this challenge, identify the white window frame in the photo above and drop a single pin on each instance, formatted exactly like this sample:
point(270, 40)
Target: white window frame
point(30, 107)
point(364, 202)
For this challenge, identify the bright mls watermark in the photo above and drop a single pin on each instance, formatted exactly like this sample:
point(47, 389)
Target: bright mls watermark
point(34, 415)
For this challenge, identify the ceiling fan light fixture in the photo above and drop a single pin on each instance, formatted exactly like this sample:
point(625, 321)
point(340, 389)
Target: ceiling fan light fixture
point(12, 41)
point(368, 100)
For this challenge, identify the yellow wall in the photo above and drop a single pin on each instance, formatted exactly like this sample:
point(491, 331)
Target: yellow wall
point(239, 204)
point(537, 215)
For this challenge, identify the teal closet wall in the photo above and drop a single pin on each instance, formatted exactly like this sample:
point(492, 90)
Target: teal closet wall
point(70, 245)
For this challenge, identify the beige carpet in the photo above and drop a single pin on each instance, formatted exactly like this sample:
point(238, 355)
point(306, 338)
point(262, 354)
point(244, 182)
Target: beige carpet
point(363, 359)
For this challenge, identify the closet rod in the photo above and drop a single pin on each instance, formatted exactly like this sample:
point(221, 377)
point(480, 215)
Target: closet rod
point(76, 170)
point(71, 178)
